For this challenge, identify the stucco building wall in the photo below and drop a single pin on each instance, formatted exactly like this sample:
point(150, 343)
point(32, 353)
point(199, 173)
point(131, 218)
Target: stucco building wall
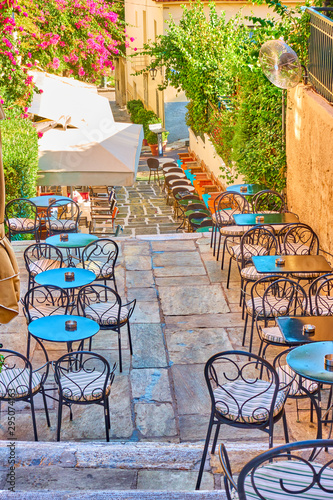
point(310, 161)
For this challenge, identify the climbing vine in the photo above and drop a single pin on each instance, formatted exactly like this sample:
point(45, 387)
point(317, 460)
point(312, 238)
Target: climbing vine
point(209, 58)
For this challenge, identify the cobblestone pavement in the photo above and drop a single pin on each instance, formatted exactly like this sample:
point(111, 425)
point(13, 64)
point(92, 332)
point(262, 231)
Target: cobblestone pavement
point(184, 314)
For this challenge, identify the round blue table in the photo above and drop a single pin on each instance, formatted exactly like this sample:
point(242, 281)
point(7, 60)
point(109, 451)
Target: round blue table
point(52, 329)
point(43, 201)
point(75, 240)
point(308, 361)
point(57, 277)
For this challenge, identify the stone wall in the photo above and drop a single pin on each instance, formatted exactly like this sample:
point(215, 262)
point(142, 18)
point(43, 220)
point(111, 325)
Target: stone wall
point(309, 137)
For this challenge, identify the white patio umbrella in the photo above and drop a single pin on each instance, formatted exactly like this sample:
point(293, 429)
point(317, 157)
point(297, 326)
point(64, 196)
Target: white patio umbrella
point(90, 157)
point(93, 149)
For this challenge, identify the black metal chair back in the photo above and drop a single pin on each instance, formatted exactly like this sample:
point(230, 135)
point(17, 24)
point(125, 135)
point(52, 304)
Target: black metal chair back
point(321, 296)
point(256, 241)
point(285, 474)
point(19, 381)
point(227, 204)
point(62, 217)
point(83, 378)
point(268, 201)
point(41, 301)
point(41, 257)
point(21, 217)
point(300, 239)
point(100, 256)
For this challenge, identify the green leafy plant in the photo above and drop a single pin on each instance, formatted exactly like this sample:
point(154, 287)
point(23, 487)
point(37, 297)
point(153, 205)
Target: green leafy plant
point(2, 362)
point(20, 157)
point(153, 139)
point(145, 117)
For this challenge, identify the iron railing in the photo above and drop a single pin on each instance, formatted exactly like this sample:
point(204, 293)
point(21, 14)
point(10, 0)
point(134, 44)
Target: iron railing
point(320, 66)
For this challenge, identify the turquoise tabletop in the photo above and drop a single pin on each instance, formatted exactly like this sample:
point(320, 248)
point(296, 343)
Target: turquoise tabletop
point(52, 328)
point(43, 201)
point(251, 188)
point(75, 240)
point(308, 361)
point(57, 277)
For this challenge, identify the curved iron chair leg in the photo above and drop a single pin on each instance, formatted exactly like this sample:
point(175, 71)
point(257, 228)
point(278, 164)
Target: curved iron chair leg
point(119, 349)
point(108, 407)
point(129, 337)
point(285, 427)
point(245, 326)
point(229, 271)
point(216, 437)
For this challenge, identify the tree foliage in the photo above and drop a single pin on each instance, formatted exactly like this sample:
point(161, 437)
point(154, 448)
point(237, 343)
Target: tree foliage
point(209, 57)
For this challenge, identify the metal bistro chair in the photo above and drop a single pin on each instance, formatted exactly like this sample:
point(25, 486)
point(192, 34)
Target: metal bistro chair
point(154, 167)
point(20, 382)
point(62, 218)
point(41, 257)
point(41, 301)
point(21, 217)
point(100, 256)
point(103, 305)
point(241, 398)
point(226, 205)
point(268, 201)
point(283, 474)
point(271, 297)
point(83, 378)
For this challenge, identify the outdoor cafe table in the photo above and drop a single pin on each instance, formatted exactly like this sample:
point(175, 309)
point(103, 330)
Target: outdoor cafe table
point(276, 219)
point(292, 328)
point(44, 201)
point(308, 362)
point(52, 329)
point(75, 240)
point(293, 264)
point(56, 277)
point(251, 189)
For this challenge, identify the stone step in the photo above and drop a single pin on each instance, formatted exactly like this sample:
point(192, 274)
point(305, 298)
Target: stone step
point(115, 495)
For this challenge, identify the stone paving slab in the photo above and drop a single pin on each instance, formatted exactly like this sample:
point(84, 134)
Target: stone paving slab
point(185, 301)
point(118, 495)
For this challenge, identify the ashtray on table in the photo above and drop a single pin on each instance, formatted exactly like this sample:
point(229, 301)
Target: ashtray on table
point(69, 276)
point(309, 329)
point(64, 237)
point(280, 262)
point(71, 325)
point(260, 219)
point(329, 362)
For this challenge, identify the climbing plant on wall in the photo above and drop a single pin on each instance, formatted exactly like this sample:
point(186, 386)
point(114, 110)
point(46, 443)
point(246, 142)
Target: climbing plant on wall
point(208, 57)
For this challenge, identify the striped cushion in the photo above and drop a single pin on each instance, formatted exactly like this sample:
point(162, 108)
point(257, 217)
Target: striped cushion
point(42, 265)
point(61, 224)
point(296, 475)
point(225, 216)
point(247, 402)
point(17, 379)
point(106, 313)
point(40, 311)
point(248, 251)
point(306, 275)
point(274, 306)
point(251, 274)
point(101, 269)
point(295, 249)
point(273, 334)
point(286, 374)
point(186, 187)
point(17, 224)
point(233, 230)
point(84, 386)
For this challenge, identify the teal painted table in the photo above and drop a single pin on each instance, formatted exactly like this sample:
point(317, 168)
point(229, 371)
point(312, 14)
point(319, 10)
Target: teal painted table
point(75, 241)
point(56, 277)
point(43, 201)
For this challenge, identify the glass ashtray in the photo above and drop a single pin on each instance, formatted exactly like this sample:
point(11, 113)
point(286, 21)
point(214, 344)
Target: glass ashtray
point(329, 362)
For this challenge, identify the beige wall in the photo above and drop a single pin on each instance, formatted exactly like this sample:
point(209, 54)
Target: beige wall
point(310, 161)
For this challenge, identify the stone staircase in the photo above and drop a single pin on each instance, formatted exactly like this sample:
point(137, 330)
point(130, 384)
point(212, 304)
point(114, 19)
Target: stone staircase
point(115, 471)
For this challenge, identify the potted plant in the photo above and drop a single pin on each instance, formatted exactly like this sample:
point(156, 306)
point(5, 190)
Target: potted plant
point(153, 141)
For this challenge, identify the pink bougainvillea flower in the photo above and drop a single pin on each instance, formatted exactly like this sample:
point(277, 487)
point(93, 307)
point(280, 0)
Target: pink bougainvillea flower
point(40, 135)
point(55, 63)
point(81, 71)
point(132, 39)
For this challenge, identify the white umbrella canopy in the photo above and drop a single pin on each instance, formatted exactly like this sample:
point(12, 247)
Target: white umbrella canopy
point(90, 157)
point(94, 149)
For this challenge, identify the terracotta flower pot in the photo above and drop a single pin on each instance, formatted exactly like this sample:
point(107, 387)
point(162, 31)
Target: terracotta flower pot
point(154, 148)
point(144, 142)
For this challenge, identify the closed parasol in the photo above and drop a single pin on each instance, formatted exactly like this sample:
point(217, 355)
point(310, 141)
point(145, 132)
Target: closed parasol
point(9, 272)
